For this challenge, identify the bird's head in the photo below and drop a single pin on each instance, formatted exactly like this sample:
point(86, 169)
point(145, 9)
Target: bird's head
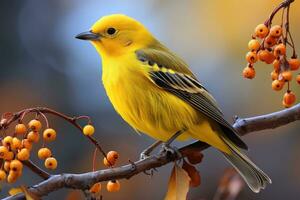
point(117, 34)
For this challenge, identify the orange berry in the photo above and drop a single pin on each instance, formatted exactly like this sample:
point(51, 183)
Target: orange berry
point(20, 129)
point(249, 72)
point(3, 152)
point(287, 75)
point(12, 177)
point(276, 64)
point(33, 136)
point(251, 57)
point(261, 31)
point(6, 166)
point(9, 156)
point(49, 134)
point(35, 125)
point(294, 64)
point(277, 85)
point(279, 50)
point(24, 154)
point(7, 141)
point(16, 144)
point(253, 45)
point(270, 41)
point(51, 163)
point(276, 31)
point(289, 98)
point(16, 165)
point(108, 164)
point(2, 175)
point(266, 56)
point(113, 186)
point(88, 130)
point(112, 155)
point(298, 78)
point(96, 188)
point(44, 153)
point(27, 144)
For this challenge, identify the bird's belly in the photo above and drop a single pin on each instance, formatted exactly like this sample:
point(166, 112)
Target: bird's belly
point(151, 110)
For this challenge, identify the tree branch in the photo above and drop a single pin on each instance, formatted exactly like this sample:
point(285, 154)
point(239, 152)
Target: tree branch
point(85, 180)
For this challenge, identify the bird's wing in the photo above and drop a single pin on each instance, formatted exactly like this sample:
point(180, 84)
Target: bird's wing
point(173, 75)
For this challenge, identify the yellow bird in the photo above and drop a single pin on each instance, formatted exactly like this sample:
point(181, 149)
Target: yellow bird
point(156, 93)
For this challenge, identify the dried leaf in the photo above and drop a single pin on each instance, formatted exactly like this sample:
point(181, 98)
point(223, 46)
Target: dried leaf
point(178, 186)
point(194, 157)
point(23, 189)
point(14, 191)
point(231, 184)
point(193, 174)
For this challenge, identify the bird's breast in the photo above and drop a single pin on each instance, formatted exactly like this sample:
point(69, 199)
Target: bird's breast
point(142, 104)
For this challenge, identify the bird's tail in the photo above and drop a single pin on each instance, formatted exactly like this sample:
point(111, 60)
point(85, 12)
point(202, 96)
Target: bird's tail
point(255, 178)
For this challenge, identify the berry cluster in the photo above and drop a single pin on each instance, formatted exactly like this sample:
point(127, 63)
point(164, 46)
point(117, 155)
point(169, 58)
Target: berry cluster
point(270, 44)
point(113, 185)
point(17, 147)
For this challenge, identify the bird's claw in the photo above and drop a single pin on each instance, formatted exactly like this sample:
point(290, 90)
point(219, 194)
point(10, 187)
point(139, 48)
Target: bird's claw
point(144, 155)
point(166, 148)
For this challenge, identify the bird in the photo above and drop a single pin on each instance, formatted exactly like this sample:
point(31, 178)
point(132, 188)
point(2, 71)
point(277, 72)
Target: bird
point(157, 94)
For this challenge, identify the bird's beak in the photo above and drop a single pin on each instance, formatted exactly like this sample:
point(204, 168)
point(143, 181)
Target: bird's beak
point(88, 35)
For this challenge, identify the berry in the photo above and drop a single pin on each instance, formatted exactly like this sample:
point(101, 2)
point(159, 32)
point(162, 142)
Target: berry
point(112, 156)
point(261, 31)
point(298, 78)
point(20, 129)
point(49, 134)
point(108, 164)
point(7, 141)
point(277, 85)
point(9, 156)
point(16, 144)
point(276, 64)
point(249, 72)
point(12, 177)
point(33, 136)
point(251, 57)
point(51, 163)
point(274, 75)
point(270, 41)
point(88, 130)
point(276, 31)
point(27, 144)
point(253, 45)
point(96, 188)
point(113, 186)
point(266, 56)
point(289, 98)
point(16, 165)
point(35, 125)
point(6, 166)
point(2, 175)
point(294, 64)
point(287, 75)
point(3, 152)
point(279, 50)
point(24, 154)
point(285, 105)
point(44, 153)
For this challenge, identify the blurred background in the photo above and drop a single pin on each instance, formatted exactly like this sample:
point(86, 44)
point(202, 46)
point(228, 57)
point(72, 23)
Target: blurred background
point(43, 65)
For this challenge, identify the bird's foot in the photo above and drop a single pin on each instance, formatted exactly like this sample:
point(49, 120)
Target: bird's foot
point(144, 155)
point(167, 149)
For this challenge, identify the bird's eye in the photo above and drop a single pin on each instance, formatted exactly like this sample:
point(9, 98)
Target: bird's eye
point(111, 31)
